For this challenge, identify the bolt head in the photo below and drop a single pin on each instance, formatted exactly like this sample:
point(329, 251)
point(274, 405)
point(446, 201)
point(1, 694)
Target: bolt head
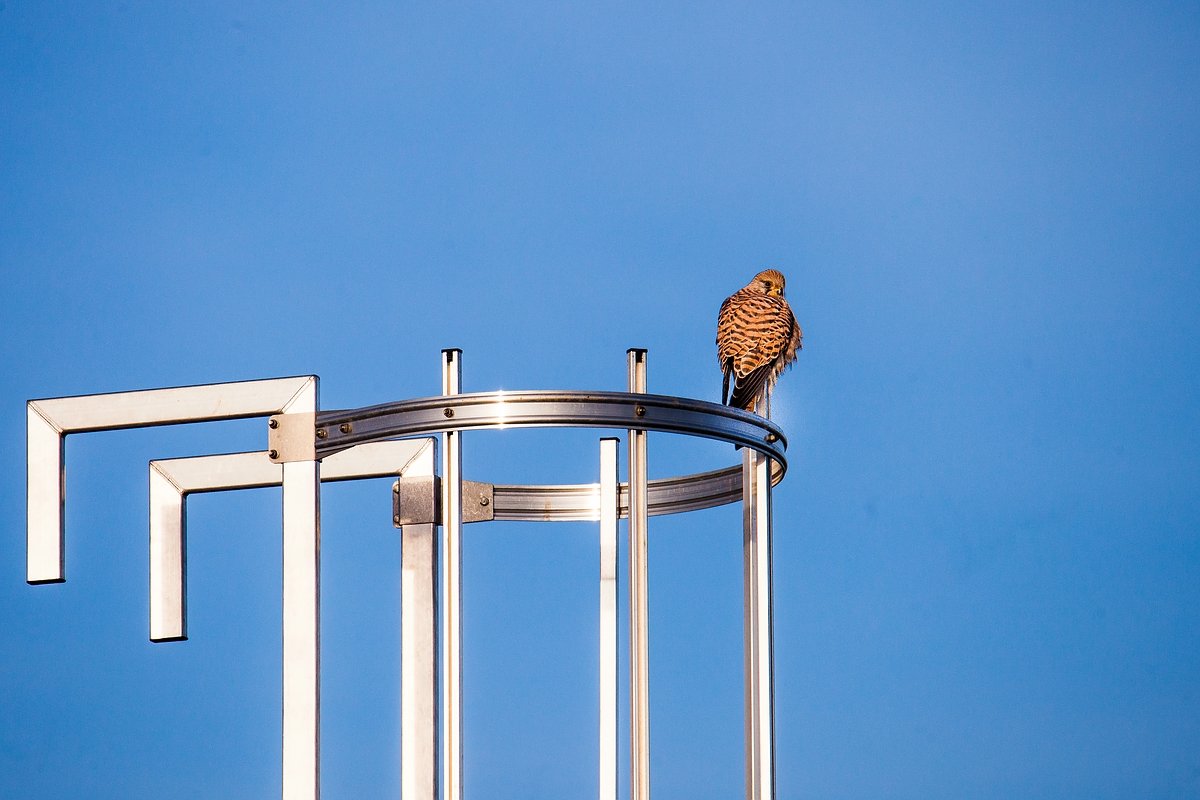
point(483, 501)
point(449, 412)
point(273, 423)
point(640, 411)
point(272, 454)
point(322, 433)
point(345, 427)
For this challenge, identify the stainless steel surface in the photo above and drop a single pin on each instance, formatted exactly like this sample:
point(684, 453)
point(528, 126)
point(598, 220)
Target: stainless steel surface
point(168, 560)
point(44, 478)
point(639, 608)
point(614, 410)
point(174, 405)
point(172, 480)
point(609, 500)
point(452, 711)
point(302, 620)
point(49, 420)
point(581, 501)
point(291, 437)
point(416, 501)
point(361, 443)
point(757, 631)
point(478, 502)
point(419, 649)
point(170, 483)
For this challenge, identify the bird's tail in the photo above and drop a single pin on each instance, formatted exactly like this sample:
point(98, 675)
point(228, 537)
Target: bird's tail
point(747, 389)
point(728, 368)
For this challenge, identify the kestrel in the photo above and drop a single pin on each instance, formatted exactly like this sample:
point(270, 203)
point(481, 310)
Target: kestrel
point(757, 338)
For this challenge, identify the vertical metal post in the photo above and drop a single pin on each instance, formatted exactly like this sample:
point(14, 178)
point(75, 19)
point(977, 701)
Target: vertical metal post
point(168, 559)
point(418, 663)
point(639, 611)
point(452, 758)
point(610, 511)
point(757, 625)
point(419, 641)
point(44, 492)
point(302, 619)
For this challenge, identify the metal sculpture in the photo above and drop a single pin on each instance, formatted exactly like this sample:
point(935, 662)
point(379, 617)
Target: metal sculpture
point(307, 446)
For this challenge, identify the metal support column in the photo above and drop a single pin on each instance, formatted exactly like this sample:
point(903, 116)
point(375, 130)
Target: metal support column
point(419, 644)
point(452, 763)
point(639, 613)
point(302, 619)
point(757, 630)
point(610, 512)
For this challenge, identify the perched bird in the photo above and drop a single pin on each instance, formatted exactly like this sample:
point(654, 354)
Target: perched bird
point(757, 338)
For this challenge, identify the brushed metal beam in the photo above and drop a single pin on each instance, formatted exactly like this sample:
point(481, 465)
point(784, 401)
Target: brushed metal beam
point(173, 480)
point(49, 420)
point(639, 601)
point(609, 514)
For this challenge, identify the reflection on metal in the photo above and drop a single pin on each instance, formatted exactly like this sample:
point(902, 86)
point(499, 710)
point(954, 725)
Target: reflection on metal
point(639, 601)
point(758, 646)
point(452, 518)
point(307, 447)
point(581, 501)
point(419, 645)
point(609, 513)
point(616, 410)
point(172, 480)
point(302, 619)
point(48, 421)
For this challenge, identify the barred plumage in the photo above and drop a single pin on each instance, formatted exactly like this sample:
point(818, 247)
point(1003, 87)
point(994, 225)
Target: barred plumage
point(757, 338)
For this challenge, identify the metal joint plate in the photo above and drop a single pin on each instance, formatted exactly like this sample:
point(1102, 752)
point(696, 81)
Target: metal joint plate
point(292, 437)
point(417, 501)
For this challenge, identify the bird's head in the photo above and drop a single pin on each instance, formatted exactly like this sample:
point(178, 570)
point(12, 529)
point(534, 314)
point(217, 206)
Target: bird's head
point(770, 281)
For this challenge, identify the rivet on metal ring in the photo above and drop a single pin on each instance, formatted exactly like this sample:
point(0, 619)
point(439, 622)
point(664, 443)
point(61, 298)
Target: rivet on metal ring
point(272, 423)
point(640, 411)
point(771, 437)
point(346, 427)
point(272, 454)
point(322, 433)
point(449, 412)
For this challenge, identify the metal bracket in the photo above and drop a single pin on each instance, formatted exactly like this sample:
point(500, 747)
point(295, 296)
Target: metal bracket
point(418, 501)
point(292, 437)
point(477, 502)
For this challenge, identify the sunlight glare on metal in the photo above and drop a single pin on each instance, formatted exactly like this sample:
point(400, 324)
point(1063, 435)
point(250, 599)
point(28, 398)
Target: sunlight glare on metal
point(431, 503)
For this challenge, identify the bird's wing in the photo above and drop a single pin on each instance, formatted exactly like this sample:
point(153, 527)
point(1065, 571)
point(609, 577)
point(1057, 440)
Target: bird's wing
point(728, 344)
point(740, 325)
point(763, 332)
point(753, 331)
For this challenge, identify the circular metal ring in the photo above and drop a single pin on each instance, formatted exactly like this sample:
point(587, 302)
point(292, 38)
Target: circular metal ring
point(565, 502)
point(551, 409)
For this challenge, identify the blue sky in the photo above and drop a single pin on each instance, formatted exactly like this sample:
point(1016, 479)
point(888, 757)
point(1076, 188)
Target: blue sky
point(987, 548)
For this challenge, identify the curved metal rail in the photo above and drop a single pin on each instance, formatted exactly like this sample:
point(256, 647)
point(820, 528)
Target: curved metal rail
point(337, 430)
point(565, 502)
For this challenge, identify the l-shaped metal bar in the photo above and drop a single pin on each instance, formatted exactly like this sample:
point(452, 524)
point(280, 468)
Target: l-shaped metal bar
point(48, 421)
point(173, 480)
